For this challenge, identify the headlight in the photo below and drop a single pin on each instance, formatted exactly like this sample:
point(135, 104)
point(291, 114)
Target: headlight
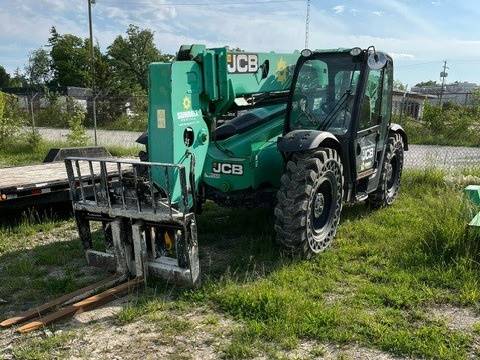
point(355, 51)
point(306, 52)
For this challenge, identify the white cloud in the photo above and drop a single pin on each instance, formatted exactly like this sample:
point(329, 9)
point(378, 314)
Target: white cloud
point(408, 14)
point(338, 9)
point(397, 56)
point(398, 29)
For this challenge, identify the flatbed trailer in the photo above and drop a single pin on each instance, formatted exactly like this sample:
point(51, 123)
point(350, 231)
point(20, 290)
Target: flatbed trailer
point(47, 183)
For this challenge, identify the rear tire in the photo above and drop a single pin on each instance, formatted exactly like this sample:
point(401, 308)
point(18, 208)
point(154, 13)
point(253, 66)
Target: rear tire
point(390, 178)
point(309, 202)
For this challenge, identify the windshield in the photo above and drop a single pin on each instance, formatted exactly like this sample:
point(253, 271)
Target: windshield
point(324, 93)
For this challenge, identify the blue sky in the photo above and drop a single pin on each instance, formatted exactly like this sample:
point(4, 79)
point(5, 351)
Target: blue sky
point(419, 34)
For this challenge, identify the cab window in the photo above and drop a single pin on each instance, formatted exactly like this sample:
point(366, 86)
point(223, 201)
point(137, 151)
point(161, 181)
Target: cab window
point(371, 104)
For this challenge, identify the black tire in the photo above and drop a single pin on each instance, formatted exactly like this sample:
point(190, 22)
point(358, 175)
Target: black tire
point(309, 202)
point(391, 176)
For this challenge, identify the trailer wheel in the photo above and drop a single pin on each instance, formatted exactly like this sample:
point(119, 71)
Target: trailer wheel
point(309, 202)
point(389, 184)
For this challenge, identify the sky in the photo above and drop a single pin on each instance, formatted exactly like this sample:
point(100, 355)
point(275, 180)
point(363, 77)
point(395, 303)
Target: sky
point(419, 34)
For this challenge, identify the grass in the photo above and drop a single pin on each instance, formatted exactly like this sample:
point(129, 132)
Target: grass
point(39, 259)
point(21, 153)
point(374, 287)
point(44, 348)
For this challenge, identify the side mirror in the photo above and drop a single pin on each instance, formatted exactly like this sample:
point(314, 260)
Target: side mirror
point(376, 61)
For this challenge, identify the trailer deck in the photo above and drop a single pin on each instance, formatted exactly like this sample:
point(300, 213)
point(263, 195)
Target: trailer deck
point(23, 186)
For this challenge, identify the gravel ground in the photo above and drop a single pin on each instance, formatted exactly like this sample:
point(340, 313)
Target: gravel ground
point(104, 137)
point(418, 156)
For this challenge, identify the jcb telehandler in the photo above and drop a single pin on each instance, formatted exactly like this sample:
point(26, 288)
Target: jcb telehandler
point(302, 133)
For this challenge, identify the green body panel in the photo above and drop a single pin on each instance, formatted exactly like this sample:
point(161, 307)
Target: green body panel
point(174, 105)
point(473, 193)
point(191, 93)
point(256, 150)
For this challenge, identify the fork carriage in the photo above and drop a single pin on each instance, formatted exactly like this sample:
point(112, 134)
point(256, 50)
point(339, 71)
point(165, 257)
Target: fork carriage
point(149, 229)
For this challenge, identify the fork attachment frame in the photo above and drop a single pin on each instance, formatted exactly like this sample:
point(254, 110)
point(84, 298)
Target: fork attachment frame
point(148, 226)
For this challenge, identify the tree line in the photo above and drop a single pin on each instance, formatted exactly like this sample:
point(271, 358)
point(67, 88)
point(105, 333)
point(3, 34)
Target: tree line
point(65, 61)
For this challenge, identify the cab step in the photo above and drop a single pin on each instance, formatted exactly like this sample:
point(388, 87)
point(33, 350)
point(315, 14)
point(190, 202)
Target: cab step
point(361, 197)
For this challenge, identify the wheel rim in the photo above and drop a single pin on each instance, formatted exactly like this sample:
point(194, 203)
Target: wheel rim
point(392, 174)
point(322, 206)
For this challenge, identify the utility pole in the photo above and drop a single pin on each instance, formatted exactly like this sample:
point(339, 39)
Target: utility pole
point(92, 65)
point(307, 24)
point(443, 76)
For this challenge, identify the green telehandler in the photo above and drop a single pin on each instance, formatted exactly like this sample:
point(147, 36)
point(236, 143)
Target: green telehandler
point(301, 133)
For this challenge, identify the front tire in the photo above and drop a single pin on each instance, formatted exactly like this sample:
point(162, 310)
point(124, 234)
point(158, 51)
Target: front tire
point(309, 202)
point(389, 184)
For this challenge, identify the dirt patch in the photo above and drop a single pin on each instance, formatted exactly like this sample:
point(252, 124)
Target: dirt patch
point(313, 350)
point(197, 333)
point(166, 334)
point(456, 318)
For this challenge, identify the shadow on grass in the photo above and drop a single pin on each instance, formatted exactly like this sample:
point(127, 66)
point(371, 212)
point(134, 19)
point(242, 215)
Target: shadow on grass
point(35, 214)
point(30, 277)
point(241, 243)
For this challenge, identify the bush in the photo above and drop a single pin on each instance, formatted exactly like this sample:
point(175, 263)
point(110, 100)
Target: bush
point(451, 125)
point(122, 112)
point(55, 114)
point(11, 118)
point(77, 135)
point(128, 123)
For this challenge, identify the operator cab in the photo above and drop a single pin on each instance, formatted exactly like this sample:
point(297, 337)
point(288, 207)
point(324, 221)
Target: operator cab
point(324, 91)
point(345, 93)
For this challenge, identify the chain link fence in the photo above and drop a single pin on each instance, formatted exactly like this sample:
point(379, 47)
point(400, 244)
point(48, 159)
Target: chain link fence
point(449, 158)
point(119, 120)
point(122, 119)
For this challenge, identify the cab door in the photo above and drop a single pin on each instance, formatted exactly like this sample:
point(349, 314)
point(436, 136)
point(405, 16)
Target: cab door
point(369, 125)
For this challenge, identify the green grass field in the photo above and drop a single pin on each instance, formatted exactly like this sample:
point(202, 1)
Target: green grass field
point(375, 287)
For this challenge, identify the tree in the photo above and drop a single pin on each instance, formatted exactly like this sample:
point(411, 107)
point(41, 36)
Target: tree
point(426, 83)
point(70, 60)
point(18, 79)
point(4, 77)
point(398, 85)
point(11, 120)
point(131, 55)
point(38, 69)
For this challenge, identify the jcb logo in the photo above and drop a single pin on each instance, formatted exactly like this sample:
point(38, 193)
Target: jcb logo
point(227, 169)
point(367, 153)
point(242, 63)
